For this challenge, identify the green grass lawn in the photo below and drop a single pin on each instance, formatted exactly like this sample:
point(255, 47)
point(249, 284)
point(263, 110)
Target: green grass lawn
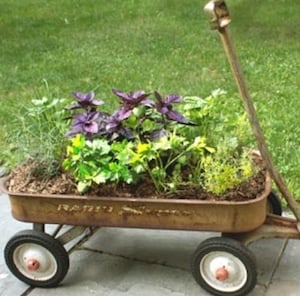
point(51, 48)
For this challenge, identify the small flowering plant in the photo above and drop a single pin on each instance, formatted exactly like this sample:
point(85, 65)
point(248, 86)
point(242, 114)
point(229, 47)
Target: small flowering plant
point(146, 138)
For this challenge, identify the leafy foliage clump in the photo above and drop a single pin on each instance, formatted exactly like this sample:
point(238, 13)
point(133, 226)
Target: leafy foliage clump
point(37, 133)
point(148, 138)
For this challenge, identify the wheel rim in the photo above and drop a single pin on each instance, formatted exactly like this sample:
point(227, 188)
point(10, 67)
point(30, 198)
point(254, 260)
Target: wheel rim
point(223, 271)
point(35, 262)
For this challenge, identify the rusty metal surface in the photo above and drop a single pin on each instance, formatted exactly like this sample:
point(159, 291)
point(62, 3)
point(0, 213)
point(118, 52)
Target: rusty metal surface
point(273, 227)
point(219, 14)
point(181, 214)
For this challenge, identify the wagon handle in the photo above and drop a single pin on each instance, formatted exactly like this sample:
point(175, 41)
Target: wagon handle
point(220, 19)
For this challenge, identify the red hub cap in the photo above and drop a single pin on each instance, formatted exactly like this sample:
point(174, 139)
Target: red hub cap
point(32, 264)
point(222, 274)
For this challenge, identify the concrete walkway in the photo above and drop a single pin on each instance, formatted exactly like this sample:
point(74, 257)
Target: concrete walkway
point(135, 262)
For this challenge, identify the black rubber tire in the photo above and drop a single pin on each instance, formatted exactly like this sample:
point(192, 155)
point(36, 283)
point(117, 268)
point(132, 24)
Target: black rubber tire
point(274, 204)
point(237, 251)
point(44, 242)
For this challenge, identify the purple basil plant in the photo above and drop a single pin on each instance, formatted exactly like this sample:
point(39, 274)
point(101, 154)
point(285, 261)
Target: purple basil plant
point(130, 101)
point(93, 123)
point(87, 122)
point(114, 128)
point(85, 101)
point(165, 107)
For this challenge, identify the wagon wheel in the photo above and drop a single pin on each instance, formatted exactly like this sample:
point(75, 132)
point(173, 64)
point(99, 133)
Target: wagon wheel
point(36, 258)
point(223, 266)
point(274, 204)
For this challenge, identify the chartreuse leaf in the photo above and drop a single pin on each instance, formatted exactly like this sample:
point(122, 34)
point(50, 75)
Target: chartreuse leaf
point(100, 178)
point(83, 186)
point(78, 141)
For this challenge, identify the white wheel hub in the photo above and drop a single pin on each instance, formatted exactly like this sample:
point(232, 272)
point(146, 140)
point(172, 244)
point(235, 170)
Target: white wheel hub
point(223, 271)
point(35, 261)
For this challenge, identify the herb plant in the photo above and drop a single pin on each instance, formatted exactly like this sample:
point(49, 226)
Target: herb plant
point(146, 137)
point(37, 134)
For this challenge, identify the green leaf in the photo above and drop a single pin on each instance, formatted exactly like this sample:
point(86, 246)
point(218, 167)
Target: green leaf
point(84, 171)
point(138, 168)
point(82, 186)
point(100, 178)
point(100, 145)
point(75, 157)
point(193, 102)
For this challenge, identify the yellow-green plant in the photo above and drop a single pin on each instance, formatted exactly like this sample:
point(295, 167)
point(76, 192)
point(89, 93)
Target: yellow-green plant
point(165, 160)
point(223, 171)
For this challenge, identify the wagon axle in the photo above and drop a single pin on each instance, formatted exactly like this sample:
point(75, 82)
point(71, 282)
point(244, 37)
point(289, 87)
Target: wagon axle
point(222, 274)
point(32, 264)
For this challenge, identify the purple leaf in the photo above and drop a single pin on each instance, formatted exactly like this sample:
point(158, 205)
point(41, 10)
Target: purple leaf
point(87, 116)
point(132, 99)
point(173, 115)
point(163, 110)
point(85, 123)
point(85, 101)
point(91, 127)
point(123, 114)
point(75, 131)
point(84, 97)
point(121, 94)
point(112, 126)
point(165, 107)
point(170, 99)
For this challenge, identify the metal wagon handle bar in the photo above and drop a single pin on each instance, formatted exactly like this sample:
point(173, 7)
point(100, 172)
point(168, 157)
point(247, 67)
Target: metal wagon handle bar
point(220, 19)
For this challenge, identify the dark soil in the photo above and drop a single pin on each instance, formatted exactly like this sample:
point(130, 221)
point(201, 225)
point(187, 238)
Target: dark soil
point(25, 180)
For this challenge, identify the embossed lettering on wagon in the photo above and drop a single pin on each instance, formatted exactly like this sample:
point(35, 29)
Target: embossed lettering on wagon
point(140, 210)
point(123, 211)
point(84, 208)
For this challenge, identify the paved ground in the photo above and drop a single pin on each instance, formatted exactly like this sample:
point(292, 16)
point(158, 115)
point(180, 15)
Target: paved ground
point(134, 262)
